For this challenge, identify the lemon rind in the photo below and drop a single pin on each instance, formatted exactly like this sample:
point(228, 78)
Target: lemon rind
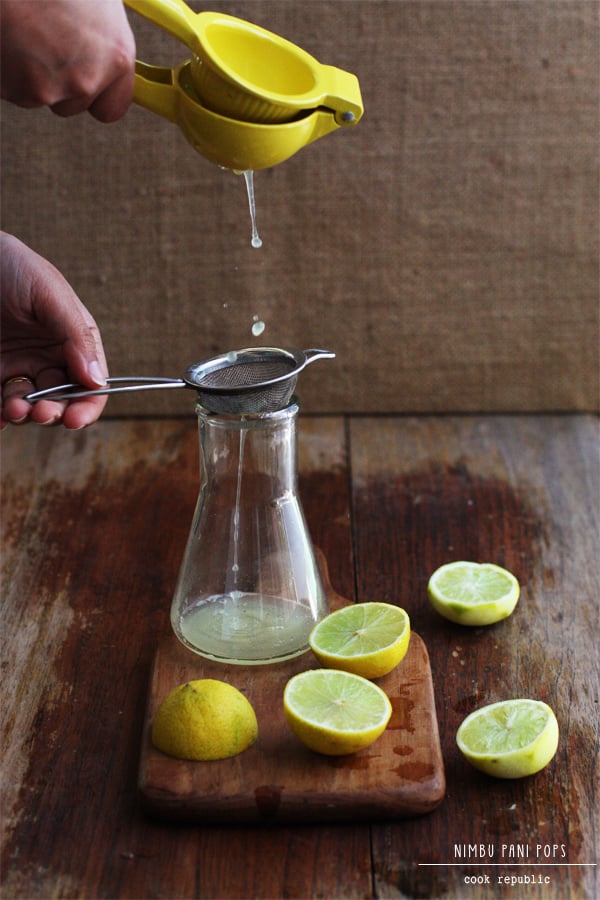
point(513, 763)
point(489, 612)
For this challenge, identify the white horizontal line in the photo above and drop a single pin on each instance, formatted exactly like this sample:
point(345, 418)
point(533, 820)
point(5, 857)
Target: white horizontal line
point(507, 863)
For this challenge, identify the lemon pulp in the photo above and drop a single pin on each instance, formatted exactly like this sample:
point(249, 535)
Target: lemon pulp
point(509, 739)
point(368, 639)
point(335, 712)
point(473, 593)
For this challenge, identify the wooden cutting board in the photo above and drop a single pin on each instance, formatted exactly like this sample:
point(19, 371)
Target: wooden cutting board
point(278, 779)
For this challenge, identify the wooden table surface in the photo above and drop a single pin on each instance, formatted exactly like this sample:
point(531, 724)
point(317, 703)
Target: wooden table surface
point(94, 525)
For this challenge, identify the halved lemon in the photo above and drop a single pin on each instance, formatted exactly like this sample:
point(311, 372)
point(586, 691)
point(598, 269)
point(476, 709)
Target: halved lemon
point(509, 739)
point(204, 719)
point(473, 593)
point(335, 712)
point(368, 639)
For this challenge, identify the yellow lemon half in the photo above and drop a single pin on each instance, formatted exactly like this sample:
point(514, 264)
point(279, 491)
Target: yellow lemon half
point(368, 639)
point(335, 712)
point(204, 719)
point(510, 739)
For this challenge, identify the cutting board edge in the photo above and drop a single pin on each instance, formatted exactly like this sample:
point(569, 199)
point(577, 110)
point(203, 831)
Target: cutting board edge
point(295, 810)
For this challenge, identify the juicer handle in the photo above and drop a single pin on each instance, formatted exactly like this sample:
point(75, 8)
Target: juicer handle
point(154, 89)
point(173, 16)
point(342, 95)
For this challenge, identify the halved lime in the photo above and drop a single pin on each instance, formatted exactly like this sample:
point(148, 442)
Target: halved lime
point(368, 639)
point(473, 593)
point(509, 739)
point(335, 712)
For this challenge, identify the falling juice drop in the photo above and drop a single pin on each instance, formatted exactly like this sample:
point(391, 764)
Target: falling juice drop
point(249, 178)
point(257, 326)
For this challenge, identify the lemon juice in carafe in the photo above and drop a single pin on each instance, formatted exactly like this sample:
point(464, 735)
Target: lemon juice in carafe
point(249, 589)
point(246, 628)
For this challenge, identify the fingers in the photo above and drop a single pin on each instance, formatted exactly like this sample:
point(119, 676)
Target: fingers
point(114, 102)
point(70, 56)
point(48, 412)
point(74, 414)
point(15, 410)
point(109, 105)
point(48, 338)
point(84, 412)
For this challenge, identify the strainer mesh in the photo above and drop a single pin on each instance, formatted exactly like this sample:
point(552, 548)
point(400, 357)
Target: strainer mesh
point(246, 373)
point(250, 382)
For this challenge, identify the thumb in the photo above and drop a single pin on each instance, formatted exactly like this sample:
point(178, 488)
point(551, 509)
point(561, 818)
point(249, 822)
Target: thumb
point(84, 353)
point(56, 307)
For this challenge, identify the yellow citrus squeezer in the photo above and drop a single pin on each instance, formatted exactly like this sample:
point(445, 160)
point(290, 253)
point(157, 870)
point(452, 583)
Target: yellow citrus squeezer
point(247, 99)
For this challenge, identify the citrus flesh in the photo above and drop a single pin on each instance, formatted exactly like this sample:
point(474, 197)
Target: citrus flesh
point(510, 739)
point(473, 593)
point(204, 719)
point(335, 712)
point(368, 639)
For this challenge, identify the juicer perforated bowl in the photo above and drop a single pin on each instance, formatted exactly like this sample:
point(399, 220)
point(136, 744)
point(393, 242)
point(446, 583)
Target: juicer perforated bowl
point(252, 380)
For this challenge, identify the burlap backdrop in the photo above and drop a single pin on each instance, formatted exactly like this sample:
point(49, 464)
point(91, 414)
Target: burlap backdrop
point(446, 248)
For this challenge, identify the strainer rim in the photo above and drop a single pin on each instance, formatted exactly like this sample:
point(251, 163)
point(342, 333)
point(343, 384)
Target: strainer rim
point(223, 360)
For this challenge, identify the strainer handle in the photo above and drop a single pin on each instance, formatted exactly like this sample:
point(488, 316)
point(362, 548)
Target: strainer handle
point(313, 354)
point(75, 391)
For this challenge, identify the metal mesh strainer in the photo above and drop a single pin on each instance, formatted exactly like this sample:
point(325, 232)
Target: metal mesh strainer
point(253, 380)
point(260, 379)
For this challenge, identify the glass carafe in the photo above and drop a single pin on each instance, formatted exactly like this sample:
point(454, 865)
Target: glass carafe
point(249, 590)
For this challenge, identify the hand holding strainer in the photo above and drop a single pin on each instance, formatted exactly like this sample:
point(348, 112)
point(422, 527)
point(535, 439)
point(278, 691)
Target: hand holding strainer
point(253, 380)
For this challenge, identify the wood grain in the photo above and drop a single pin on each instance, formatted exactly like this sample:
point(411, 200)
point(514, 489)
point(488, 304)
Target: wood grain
point(93, 529)
point(523, 493)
